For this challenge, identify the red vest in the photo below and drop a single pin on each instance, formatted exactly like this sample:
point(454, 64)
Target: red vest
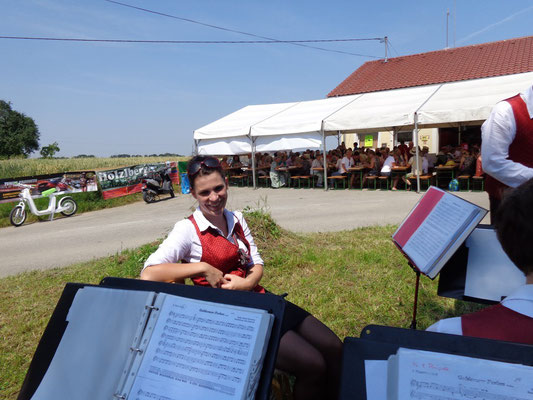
point(221, 253)
point(521, 150)
point(499, 323)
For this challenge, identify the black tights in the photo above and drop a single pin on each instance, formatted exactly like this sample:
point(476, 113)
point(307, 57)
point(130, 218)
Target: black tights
point(312, 353)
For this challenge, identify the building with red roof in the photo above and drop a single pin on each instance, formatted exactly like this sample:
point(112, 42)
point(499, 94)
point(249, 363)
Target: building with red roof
point(506, 57)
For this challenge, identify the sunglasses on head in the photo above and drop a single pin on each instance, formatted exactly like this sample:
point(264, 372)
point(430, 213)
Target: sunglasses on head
point(209, 162)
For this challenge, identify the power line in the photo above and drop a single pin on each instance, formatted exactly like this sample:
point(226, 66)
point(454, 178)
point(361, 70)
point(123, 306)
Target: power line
point(181, 41)
point(295, 43)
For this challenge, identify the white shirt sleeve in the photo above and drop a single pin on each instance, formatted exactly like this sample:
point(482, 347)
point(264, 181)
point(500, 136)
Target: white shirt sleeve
point(449, 325)
point(497, 134)
point(176, 247)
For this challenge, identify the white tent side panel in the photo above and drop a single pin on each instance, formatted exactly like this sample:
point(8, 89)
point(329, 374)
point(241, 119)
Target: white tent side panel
point(380, 110)
point(238, 123)
point(295, 142)
point(303, 118)
point(471, 100)
point(225, 146)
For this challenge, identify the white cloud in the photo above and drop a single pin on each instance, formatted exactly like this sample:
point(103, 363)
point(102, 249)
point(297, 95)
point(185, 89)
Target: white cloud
point(491, 26)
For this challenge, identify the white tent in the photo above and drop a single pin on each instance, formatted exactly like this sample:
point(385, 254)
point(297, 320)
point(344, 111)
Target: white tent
point(301, 125)
point(231, 134)
point(273, 127)
point(470, 101)
point(383, 110)
point(446, 104)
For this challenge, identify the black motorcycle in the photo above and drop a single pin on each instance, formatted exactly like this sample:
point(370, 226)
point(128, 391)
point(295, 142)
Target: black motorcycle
point(155, 183)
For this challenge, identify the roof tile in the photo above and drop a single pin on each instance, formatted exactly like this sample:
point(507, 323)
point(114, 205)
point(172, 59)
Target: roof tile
point(512, 56)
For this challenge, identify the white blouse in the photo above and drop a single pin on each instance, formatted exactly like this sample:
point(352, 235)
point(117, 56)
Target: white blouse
point(521, 301)
point(184, 244)
point(497, 134)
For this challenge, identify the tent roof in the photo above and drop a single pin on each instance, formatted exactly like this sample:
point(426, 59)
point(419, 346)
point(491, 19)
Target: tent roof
point(450, 103)
point(239, 122)
point(304, 117)
point(380, 110)
point(471, 101)
point(446, 104)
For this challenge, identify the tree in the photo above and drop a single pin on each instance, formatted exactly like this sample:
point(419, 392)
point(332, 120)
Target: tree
point(19, 135)
point(50, 150)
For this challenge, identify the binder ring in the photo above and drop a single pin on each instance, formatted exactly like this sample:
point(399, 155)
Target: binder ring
point(119, 396)
point(152, 308)
point(136, 349)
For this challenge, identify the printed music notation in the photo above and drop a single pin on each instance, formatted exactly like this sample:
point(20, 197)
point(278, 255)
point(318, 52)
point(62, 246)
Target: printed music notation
point(209, 321)
point(197, 347)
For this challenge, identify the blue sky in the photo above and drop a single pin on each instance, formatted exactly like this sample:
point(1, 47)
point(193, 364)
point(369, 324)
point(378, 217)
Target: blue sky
point(110, 98)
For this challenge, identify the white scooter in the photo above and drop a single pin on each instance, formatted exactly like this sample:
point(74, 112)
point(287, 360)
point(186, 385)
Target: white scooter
point(66, 206)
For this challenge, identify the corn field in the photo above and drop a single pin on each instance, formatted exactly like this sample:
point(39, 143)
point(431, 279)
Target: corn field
point(18, 167)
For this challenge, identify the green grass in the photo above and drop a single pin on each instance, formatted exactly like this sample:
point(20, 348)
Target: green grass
point(18, 167)
point(346, 279)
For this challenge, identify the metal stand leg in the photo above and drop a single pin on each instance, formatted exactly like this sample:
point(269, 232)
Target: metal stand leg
point(413, 322)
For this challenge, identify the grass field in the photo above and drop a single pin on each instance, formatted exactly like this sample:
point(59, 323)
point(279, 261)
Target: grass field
point(90, 201)
point(18, 167)
point(346, 279)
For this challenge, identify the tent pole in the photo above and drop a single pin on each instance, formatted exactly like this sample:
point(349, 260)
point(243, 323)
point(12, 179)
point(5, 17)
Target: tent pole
point(195, 150)
point(324, 160)
point(415, 137)
point(253, 162)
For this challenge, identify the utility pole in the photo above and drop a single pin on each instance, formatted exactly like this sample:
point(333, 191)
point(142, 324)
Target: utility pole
point(385, 39)
point(454, 19)
point(447, 18)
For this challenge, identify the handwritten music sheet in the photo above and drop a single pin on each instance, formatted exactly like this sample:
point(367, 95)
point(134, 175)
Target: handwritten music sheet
point(201, 350)
point(438, 376)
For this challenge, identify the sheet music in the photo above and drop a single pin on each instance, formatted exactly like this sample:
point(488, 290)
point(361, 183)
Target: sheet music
point(201, 350)
point(442, 226)
point(438, 376)
point(487, 265)
point(375, 377)
point(95, 346)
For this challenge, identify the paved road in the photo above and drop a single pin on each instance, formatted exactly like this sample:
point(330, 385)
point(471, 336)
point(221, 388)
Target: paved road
point(102, 233)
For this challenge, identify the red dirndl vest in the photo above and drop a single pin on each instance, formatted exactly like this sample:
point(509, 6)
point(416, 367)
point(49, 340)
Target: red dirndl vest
point(499, 323)
point(521, 150)
point(221, 253)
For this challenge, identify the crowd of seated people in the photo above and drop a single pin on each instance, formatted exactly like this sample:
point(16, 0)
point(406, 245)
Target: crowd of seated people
point(281, 166)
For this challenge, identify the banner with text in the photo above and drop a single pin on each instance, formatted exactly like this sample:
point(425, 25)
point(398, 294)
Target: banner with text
point(127, 180)
point(68, 182)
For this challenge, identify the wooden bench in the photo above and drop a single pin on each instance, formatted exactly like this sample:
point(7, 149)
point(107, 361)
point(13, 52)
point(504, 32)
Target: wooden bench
point(425, 181)
point(308, 179)
point(382, 179)
point(336, 179)
point(263, 180)
point(480, 181)
point(239, 180)
point(462, 179)
point(371, 179)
